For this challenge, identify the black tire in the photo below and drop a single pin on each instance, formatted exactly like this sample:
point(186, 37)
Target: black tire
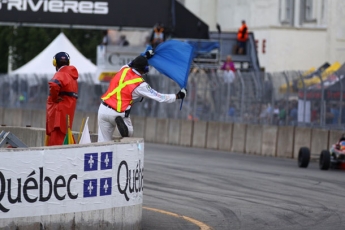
point(303, 157)
point(325, 160)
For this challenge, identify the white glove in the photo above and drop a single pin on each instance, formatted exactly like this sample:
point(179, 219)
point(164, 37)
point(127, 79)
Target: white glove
point(149, 54)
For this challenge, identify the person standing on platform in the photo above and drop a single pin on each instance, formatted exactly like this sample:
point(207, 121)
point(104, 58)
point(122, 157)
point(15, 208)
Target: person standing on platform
point(157, 35)
point(62, 99)
point(242, 37)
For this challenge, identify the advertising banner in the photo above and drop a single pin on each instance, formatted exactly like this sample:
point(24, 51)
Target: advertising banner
point(56, 181)
point(104, 14)
point(89, 13)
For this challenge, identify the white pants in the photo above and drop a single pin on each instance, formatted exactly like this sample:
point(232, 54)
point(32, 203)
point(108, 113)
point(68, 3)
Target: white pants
point(229, 76)
point(107, 125)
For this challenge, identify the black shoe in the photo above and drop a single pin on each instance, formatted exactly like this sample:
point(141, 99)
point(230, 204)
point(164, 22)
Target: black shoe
point(121, 126)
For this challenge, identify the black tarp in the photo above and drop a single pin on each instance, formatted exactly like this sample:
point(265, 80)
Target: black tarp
point(105, 14)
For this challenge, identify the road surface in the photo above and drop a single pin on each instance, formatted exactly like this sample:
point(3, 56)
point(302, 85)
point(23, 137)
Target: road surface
point(189, 188)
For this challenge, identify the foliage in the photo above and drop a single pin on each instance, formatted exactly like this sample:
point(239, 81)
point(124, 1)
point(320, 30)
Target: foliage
point(27, 42)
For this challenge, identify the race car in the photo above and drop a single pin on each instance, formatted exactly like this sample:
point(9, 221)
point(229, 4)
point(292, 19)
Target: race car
point(333, 158)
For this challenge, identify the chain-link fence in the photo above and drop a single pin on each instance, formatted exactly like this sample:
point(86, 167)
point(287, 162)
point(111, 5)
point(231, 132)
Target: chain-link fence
point(282, 98)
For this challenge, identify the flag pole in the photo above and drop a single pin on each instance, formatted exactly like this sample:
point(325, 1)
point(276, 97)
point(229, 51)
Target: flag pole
point(81, 129)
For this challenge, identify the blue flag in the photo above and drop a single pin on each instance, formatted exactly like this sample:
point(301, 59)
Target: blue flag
point(173, 59)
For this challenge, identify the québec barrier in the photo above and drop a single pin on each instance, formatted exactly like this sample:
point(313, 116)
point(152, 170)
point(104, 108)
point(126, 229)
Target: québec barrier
point(89, 186)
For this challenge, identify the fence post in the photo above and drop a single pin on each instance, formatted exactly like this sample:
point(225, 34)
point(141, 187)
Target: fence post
point(304, 95)
point(288, 88)
point(242, 94)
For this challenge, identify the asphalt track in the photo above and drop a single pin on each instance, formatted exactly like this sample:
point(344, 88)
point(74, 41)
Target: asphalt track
point(188, 188)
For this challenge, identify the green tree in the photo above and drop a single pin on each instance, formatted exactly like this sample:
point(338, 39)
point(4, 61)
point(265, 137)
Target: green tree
point(5, 38)
point(27, 42)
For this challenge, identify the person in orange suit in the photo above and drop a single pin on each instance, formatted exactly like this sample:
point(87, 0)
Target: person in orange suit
point(62, 99)
point(242, 37)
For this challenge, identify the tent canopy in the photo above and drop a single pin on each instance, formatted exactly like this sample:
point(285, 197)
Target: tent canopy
point(42, 63)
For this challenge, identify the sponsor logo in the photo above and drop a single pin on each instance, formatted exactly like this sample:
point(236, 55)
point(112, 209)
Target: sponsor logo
point(155, 93)
point(56, 6)
point(118, 59)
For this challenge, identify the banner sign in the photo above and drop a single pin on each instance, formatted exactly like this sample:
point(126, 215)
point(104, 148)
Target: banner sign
point(56, 181)
point(87, 13)
point(104, 14)
point(111, 58)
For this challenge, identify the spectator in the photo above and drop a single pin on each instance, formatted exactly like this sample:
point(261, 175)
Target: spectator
point(232, 111)
point(62, 99)
point(328, 115)
point(264, 114)
point(293, 113)
point(242, 37)
point(276, 114)
point(315, 114)
point(157, 35)
point(123, 41)
point(282, 113)
point(105, 39)
point(335, 113)
point(229, 70)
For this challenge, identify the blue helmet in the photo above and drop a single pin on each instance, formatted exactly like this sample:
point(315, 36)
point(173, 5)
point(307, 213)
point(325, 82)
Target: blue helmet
point(61, 59)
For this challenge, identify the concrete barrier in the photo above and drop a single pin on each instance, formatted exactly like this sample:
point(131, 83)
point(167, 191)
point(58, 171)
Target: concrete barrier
point(269, 140)
point(199, 134)
point(212, 136)
point(186, 133)
point(78, 120)
point(93, 122)
point(319, 141)
point(139, 124)
point(302, 139)
point(174, 131)
point(285, 141)
point(253, 139)
point(2, 116)
point(334, 136)
point(89, 183)
point(26, 120)
point(38, 119)
point(238, 137)
point(13, 117)
point(225, 136)
point(32, 137)
point(162, 131)
point(150, 129)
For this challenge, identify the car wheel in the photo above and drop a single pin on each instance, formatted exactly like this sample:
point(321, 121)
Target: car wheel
point(325, 160)
point(303, 157)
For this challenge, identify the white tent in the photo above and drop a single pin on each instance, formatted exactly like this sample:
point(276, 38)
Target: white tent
point(42, 63)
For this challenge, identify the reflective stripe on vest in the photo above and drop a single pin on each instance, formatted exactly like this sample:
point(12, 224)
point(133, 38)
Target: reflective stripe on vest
point(118, 89)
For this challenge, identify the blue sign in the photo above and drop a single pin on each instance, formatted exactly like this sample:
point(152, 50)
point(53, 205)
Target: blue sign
point(90, 161)
point(106, 160)
point(105, 186)
point(90, 188)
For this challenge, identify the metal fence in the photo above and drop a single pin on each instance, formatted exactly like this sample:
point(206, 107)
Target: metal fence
point(280, 98)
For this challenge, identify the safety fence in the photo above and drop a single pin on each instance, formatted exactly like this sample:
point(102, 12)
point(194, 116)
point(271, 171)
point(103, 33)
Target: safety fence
point(282, 98)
